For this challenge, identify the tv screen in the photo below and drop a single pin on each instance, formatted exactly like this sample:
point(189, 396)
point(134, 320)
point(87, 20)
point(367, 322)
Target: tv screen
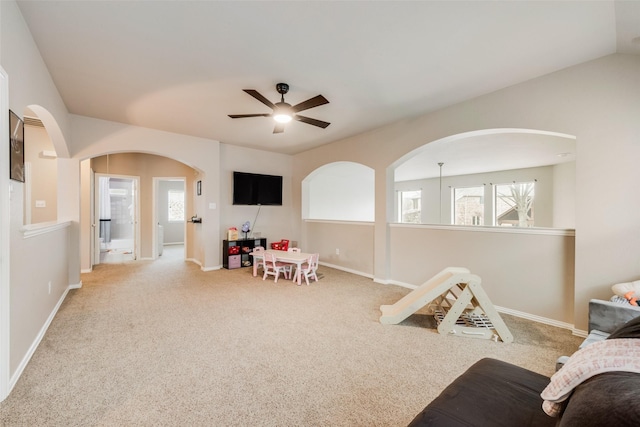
point(256, 189)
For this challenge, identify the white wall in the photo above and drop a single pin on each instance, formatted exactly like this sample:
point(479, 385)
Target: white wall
point(564, 195)
point(529, 272)
point(341, 244)
point(54, 252)
point(273, 222)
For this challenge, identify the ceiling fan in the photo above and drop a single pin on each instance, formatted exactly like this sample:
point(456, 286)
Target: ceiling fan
point(284, 112)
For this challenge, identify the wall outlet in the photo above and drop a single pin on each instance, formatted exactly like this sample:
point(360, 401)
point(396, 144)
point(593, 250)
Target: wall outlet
point(337, 251)
point(49, 287)
point(41, 204)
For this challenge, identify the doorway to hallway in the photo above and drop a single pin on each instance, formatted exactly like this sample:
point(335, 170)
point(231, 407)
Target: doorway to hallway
point(170, 214)
point(117, 211)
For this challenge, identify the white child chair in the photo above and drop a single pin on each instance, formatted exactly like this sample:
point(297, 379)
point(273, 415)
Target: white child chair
point(291, 266)
point(258, 257)
point(273, 267)
point(309, 268)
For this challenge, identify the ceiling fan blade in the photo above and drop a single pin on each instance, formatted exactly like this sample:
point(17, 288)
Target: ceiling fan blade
point(310, 121)
point(310, 103)
point(279, 128)
point(260, 98)
point(241, 116)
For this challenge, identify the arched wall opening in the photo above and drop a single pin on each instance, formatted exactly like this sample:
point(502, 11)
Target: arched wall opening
point(93, 137)
point(340, 191)
point(498, 255)
point(462, 179)
point(147, 169)
point(338, 203)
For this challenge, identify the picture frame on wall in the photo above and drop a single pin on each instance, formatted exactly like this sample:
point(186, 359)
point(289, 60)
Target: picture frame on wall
point(199, 188)
point(16, 147)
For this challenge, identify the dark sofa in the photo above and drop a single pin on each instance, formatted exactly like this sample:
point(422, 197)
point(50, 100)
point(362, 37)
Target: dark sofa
point(494, 393)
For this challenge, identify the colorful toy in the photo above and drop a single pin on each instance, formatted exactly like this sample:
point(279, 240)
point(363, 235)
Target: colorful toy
point(246, 228)
point(630, 296)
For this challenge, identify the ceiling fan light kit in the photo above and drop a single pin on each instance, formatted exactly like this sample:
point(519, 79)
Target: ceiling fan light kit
point(284, 112)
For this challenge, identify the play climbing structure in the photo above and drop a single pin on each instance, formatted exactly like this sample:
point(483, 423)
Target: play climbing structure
point(458, 303)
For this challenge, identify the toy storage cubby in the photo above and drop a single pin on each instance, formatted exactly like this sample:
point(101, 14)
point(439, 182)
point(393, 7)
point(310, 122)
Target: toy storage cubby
point(235, 253)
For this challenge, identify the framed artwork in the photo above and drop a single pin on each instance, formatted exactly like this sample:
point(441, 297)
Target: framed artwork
point(16, 158)
point(199, 188)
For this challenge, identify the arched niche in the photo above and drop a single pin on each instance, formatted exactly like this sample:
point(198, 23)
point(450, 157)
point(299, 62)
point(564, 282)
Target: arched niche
point(484, 160)
point(44, 144)
point(341, 191)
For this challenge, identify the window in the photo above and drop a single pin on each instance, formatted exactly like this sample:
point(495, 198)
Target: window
point(468, 206)
point(409, 206)
point(176, 205)
point(514, 204)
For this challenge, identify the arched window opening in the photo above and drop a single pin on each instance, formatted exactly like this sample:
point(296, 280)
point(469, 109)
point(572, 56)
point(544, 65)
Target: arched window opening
point(341, 191)
point(470, 179)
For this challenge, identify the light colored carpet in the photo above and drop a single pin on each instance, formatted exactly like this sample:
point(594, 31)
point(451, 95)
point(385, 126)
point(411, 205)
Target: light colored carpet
point(165, 344)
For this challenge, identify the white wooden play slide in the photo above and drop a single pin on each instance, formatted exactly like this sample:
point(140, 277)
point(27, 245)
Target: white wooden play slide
point(457, 301)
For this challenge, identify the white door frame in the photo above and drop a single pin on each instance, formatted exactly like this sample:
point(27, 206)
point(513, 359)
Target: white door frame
point(154, 203)
point(5, 229)
point(93, 239)
point(136, 220)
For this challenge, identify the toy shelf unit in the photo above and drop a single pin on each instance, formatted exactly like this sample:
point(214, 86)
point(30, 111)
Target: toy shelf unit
point(235, 253)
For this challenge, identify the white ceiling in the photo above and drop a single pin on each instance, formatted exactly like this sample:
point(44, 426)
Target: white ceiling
point(180, 66)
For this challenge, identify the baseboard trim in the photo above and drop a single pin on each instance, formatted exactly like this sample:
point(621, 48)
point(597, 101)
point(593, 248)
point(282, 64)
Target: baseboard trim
point(193, 260)
point(218, 267)
point(397, 283)
point(580, 333)
point(36, 342)
point(348, 270)
point(90, 270)
point(538, 319)
point(76, 286)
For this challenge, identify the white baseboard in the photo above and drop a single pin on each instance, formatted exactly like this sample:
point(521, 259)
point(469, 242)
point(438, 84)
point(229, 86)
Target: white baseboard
point(90, 270)
point(193, 260)
point(36, 342)
point(202, 267)
point(397, 283)
point(348, 270)
point(173, 244)
point(540, 319)
point(76, 286)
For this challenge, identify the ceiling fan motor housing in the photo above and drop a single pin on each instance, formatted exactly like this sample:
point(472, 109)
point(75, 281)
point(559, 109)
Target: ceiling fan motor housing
point(282, 88)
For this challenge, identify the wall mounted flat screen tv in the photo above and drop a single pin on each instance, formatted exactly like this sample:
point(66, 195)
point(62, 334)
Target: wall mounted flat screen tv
point(256, 189)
